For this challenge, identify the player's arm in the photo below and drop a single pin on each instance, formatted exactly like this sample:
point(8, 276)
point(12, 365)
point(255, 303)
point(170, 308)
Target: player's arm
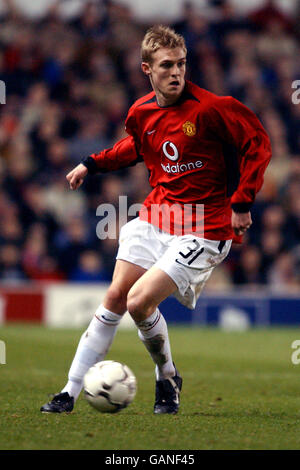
point(122, 155)
point(239, 127)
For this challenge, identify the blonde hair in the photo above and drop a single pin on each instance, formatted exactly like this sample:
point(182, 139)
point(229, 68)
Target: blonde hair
point(157, 37)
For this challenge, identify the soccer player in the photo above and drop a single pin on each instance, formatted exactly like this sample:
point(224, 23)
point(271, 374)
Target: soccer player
point(202, 151)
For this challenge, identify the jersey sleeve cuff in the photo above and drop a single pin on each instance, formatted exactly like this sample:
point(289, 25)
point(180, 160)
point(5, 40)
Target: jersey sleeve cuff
point(91, 165)
point(241, 207)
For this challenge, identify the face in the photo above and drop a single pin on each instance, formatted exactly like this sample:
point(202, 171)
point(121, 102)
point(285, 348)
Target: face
point(166, 73)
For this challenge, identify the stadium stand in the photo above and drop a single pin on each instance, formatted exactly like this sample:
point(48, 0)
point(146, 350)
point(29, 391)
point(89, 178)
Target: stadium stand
point(69, 82)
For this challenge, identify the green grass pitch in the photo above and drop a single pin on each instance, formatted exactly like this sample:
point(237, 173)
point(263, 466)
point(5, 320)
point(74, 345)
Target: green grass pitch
point(240, 391)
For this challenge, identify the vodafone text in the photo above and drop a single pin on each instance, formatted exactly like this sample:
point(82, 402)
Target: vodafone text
point(181, 168)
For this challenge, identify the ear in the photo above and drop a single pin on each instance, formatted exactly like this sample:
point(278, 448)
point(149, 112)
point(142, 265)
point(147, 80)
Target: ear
point(146, 68)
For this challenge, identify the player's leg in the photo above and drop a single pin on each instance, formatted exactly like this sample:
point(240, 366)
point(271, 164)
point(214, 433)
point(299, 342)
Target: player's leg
point(96, 340)
point(182, 270)
point(142, 303)
point(148, 292)
point(124, 277)
point(143, 244)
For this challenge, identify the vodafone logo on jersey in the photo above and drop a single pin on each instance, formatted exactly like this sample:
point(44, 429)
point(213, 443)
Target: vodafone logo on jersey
point(172, 147)
point(171, 152)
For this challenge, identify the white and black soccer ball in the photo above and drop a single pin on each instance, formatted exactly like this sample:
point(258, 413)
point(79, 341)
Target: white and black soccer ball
point(109, 386)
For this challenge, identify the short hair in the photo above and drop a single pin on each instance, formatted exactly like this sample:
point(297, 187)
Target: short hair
point(157, 37)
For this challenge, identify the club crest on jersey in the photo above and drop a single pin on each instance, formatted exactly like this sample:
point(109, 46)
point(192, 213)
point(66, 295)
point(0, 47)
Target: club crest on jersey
point(189, 128)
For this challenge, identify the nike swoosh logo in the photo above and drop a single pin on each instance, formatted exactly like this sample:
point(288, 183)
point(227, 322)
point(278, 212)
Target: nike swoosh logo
point(176, 260)
point(151, 132)
point(108, 319)
point(186, 265)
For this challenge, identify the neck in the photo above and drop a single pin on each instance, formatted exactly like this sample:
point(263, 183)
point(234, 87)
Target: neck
point(164, 100)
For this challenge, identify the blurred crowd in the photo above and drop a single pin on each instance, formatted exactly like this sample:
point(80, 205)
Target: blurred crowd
point(69, 84)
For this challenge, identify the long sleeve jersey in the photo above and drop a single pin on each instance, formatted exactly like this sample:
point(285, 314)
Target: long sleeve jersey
point(203, 150)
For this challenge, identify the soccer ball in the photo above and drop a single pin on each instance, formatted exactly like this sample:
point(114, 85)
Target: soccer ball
point(109, 386)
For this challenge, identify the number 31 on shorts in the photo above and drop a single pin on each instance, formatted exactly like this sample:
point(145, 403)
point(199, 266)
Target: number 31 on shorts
point(191, 255)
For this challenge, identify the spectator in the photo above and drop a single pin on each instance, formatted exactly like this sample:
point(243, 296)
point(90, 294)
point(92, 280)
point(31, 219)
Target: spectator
point(70, 78)
point(90, 269)
point(10, 264)
point(283, 277)
point(249, 271)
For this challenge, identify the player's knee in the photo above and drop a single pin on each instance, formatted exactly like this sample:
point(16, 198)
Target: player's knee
point(115, 299)
point(135, 309)
point(138, 307)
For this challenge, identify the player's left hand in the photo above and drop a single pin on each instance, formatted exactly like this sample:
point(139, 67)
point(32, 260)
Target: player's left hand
point(240, 222)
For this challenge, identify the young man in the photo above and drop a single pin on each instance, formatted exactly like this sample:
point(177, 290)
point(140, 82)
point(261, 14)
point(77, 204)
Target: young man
point(201, 151)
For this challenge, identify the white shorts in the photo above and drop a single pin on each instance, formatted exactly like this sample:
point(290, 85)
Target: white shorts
point(187, 259)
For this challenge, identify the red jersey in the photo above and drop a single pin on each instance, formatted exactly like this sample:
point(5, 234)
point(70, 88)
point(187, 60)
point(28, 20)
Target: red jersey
point(203, 149)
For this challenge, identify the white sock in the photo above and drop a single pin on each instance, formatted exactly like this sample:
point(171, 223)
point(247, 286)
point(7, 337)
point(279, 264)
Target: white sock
point(154, 333)
point(93, 347)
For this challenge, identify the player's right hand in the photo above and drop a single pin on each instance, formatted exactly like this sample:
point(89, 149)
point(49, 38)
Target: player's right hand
point(76, 176)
